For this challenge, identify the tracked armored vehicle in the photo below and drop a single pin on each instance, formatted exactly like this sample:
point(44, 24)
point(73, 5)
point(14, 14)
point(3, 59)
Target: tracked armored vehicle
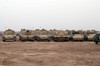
point(90, 34)
point(61, 36)
point(9, 35)
point(78, 35)
point(42, 35)
point(27, 35)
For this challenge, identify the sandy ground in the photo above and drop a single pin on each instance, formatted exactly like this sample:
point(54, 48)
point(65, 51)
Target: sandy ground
point(49, 54)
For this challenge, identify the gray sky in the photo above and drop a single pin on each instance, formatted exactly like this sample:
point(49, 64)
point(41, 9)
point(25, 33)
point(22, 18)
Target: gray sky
point(50, 14)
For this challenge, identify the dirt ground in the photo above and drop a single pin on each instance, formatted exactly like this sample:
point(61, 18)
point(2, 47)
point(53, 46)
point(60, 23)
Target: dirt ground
point(49, 54)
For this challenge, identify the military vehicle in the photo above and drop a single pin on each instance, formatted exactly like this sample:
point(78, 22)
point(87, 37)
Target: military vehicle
point(27, 35)
point(9, 35)
point(61, 36)
point(42, 35)
point(96, 38)
point(78, 35)
point(90, 34)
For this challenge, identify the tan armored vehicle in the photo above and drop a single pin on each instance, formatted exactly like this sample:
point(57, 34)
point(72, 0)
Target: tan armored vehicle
point(78, 35)
point(9, 35)
point(90, 34)
point(27, 35)
point(42, 35)
point(61, 35)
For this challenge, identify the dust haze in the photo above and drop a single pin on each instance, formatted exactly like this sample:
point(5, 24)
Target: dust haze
point(50, 14)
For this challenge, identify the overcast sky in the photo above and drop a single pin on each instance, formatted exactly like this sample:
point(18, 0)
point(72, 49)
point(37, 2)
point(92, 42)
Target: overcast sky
point(50, 14)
